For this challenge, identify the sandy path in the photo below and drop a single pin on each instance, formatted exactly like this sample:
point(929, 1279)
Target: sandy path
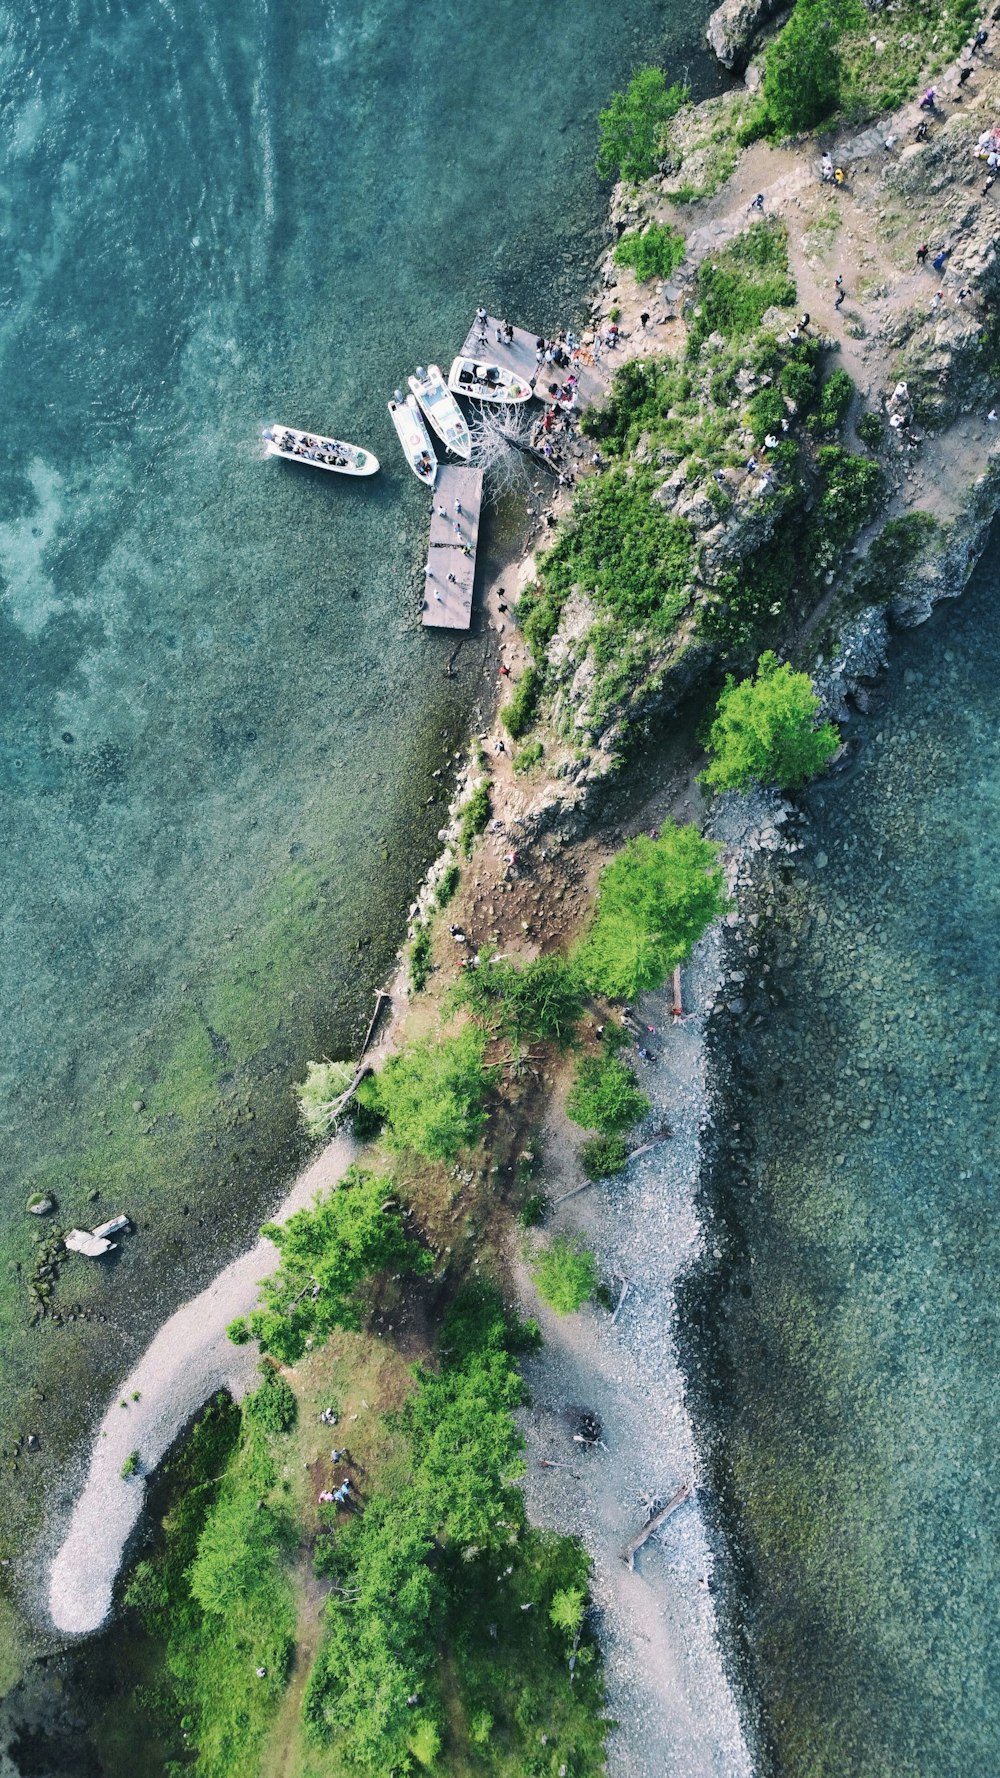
point(187, 1361)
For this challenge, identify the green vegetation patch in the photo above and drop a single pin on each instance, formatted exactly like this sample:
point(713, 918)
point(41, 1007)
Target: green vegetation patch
point(632, 130)
point(541, 999)
point(652, 252)
point(516, 715)
point(654, 901)
point(622, 547)
point(419, 959)
point(328, 1253)
point(605, 1096)
point(427, 1650)
point(735, 288)
point(601, 1157)
point(432, 1095)
point(835, 397)
point(898, 546)
point(766, 730)
point(474, 816)
point(565, 1274)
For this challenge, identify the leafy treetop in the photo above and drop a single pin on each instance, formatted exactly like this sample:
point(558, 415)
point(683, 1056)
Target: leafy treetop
point(432, 1095)
point(632, 128)
point(327, 1253)
point(653, 904)
point(604, 1096)
point(765, 730)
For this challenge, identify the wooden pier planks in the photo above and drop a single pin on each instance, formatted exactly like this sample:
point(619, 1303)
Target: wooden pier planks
point(448, 603)
point(520, 357)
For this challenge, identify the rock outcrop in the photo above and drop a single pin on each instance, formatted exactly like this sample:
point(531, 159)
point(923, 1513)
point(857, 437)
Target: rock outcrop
point(735, 26)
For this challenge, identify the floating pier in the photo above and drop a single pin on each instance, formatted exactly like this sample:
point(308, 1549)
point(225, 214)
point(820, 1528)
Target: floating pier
point(592, 385)
point(451, 554)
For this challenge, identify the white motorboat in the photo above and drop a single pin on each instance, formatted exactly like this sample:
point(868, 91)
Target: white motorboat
point(482, 381)
point(414, 438)
point(442, 410)
point(318, 452)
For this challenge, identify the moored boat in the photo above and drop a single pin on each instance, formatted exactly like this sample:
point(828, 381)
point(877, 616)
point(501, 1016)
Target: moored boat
point(318, 452)
point(487, 382)
point(441, 409)
point(414, 438)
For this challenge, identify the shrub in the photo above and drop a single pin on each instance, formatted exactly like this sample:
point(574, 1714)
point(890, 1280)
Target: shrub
point(326, 1254)
point(765, 730)
point(631, 129)
point(852, 489)
point(653, 252)
point(835, 398)
point(420, 957)
point(653, 904)
point(539, 999)
point(319, 1094)
point(538, 615)
point(474, 816)
point(432, 1095)
point(623, 548)
point(517, 713)
point(565, 1275)
point(130, 1466)
point(870, 430)
point(239, 1331)
point(567, 1609)
point(451, 876)
point(798, 382)
point(896, 548)
point(766, 412)
point(272, 1405)
point(533, 1210)
point(605, 1096)
point(802, 67)
point(603, 1156)
point(528, 756)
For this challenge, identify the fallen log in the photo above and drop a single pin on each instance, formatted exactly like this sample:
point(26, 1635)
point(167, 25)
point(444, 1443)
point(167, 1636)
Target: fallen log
point(662, 1135)
point(653, 1524)
point(561, 1199)
point(626, 1287)
point(380, 999)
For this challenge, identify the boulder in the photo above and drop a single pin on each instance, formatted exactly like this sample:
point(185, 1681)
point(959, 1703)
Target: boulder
point(734, 26)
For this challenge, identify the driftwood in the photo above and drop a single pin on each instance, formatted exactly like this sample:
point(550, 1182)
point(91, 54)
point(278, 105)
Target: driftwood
point(678, 1007)
point(561, 1199)
point(653, 1524)
point(550, 1463)
point(380, 999)
point(662, 1135)
point(626, 1287)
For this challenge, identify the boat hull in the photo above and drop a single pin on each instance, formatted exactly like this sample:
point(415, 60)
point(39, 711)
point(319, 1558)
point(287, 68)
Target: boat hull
point(481, 381)
point(442, 411)
point(414, 438)
point(318, 452)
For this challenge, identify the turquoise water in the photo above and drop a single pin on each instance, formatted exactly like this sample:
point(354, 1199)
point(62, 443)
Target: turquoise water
point(219, 719)
point(860, 1344)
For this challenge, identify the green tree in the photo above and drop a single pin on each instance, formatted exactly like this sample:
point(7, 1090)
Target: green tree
point(802, 67)
point(565, 1274)
point(604, 1096)
point(653, 904)
point(633, 126)
point(765, 730)
point(327, 1253)
point(567, 1608)
point(432, 1095)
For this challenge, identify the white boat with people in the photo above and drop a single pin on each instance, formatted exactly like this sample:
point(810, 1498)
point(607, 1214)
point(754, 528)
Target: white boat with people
point(318, 452)
point(441, 409)
point(414, 438)
point(487, 382)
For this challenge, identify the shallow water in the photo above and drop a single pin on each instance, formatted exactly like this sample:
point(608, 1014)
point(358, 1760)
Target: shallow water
point(218, 715)
point(859, 1338)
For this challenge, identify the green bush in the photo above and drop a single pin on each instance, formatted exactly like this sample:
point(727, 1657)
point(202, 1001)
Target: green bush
point(327, 1254)
point(624, 549)
point(528, 756)
point(420, 957)
point(601, 1157)
point(540, 999)
point(432, 1095)
point(798, 382)
point(631, 129)
point(835, 398)
point(802, 66)
point(533, 1210)
point(567, 1609)
point(766, 412)
point(898, 545)
point(272, 1405)
point(852, 490)
point(765, 730)
point(239, 1331)
point(870, 430)
point(130, 1466)
point(538, 615)
point(518, 712)
point(474, 816)
point(605, 1096)
point(451, 876)
point(654, 252)
point(653, 904)
point(565, 1275)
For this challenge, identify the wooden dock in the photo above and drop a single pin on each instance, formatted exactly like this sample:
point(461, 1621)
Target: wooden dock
point(520, 357)
point(451, 554)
